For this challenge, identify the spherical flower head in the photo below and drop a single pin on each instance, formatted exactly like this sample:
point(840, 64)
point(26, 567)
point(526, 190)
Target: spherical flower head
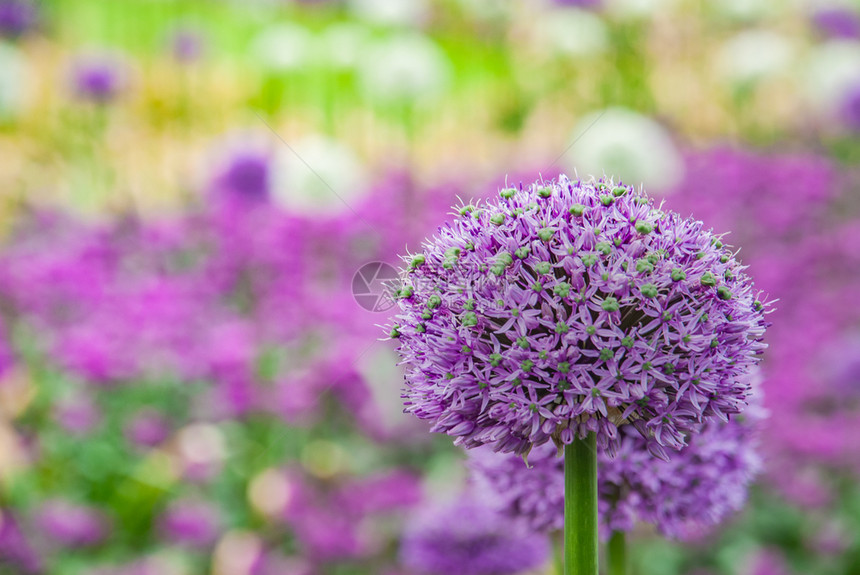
point(467, 537)
point(246, 175)
point(147, 429)
point(98, 78)
point(187, 44)
point(696, 489)
point(16, 17)
point(70, 524)
point(192, 523)
point(571, 307)
point(851, 108)
point(837, 22)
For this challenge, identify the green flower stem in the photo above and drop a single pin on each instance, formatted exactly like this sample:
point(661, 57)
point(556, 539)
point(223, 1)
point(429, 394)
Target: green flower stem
point(580, 507)
point(617, 553)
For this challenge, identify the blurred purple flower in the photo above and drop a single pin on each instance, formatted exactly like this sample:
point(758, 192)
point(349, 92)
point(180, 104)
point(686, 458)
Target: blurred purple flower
point(767, 562)
point(77, 415)
point(331, 526)
point(466, 537)
point(15, 547)
point(16, 17)
point(837, 21)
point(383, 493)
point(851, 109)
point(244, 175)
point(187, 44)
point(148, 428)
point(70, 524)
point(588, 4)
point(99, 77)
point(192, 523)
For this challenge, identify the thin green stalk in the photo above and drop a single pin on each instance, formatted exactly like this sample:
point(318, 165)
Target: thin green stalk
point(617, 552)
point(580, 507)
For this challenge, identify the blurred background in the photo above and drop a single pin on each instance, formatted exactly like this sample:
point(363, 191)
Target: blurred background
point(192, 379)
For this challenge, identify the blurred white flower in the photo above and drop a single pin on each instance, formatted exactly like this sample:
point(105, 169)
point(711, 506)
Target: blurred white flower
point(404, 67)
point(624, 144)
point(391, 12)
point(573, 32)
point(342, 43)
point(317, 175)
point(753, 55)
point(831, 71)
point(282, 48)
point(13, 81)
point(236, 553)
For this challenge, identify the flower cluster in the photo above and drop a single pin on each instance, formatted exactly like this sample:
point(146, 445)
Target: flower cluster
point(570, 307)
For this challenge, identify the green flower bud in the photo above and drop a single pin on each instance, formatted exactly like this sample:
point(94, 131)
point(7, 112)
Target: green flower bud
point(546, 234)
point(589, 260)
point(644, 266)
point(649, 290)
point(644, 228)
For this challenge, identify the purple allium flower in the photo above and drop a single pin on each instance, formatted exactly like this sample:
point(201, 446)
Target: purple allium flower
point(70, 524)
point(16, 17)
point(245, 175)
point(15, 547)
point(148, 428)
point(187, 44)
point(466, 537)
point(574, 307)
point(193, 523)
point(696, 489)
point(837, 21)
point(78, 415)
point(766, 562)
point(580, 3)
point(851, 109)
point(98, 77)
point(383, 493)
